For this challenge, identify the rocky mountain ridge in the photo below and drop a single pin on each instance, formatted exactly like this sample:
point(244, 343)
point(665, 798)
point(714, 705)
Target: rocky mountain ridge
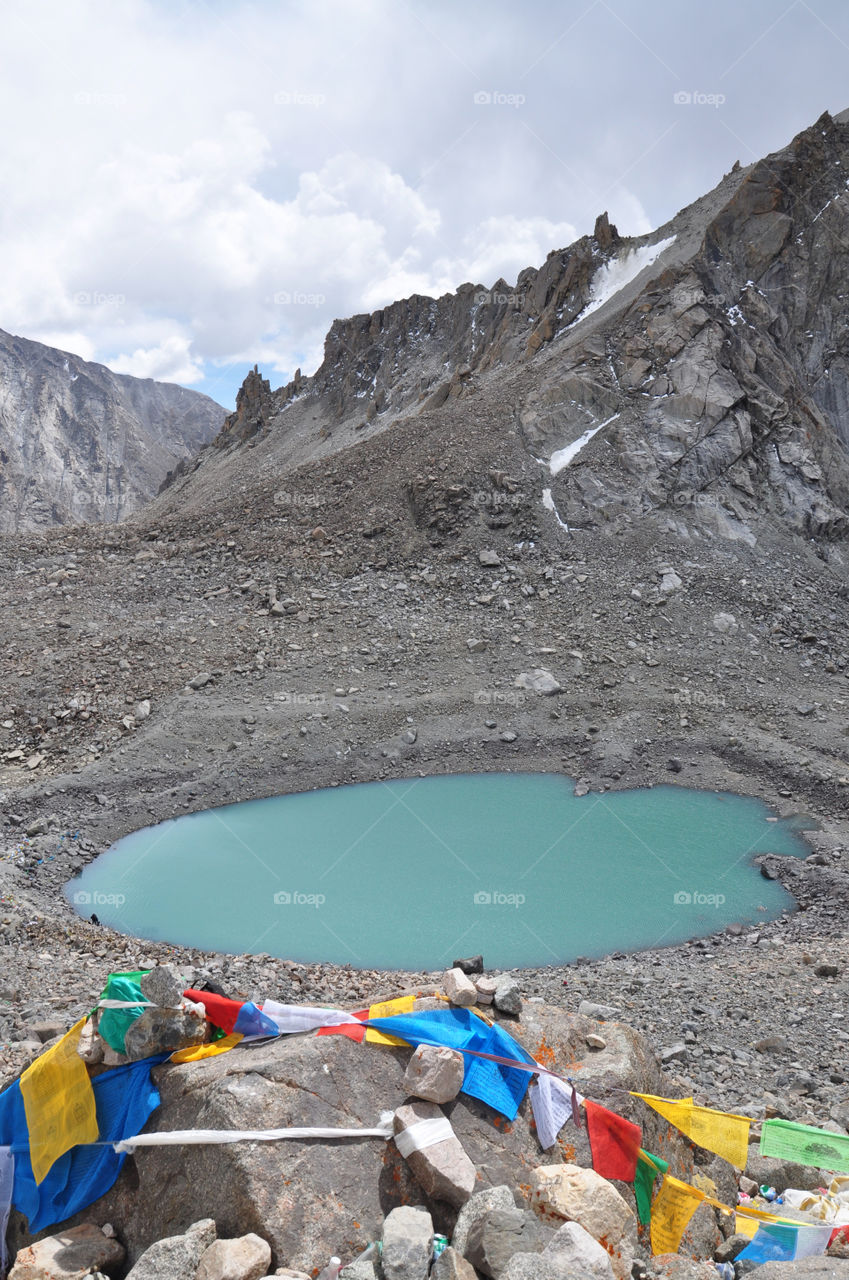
point(81, 443)
point(700, 372)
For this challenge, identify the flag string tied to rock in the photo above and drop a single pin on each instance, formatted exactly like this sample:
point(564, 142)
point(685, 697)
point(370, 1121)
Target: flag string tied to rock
point(203, 1137)
point(423, 1134)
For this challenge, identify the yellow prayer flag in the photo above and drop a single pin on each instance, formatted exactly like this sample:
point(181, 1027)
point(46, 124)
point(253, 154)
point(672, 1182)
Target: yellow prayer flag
point(196, 1052)
point(388, 1009)
point(674, 1206)
point(58, 1103)
point(746, 1226)
point(722, 1132)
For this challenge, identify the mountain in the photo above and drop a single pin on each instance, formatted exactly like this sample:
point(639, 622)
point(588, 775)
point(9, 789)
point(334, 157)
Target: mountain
point(697, 377)
point(79, 442)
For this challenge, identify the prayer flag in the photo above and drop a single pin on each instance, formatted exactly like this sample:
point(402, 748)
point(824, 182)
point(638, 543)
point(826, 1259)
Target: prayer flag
point(671, 1212)
point(58, 1102)
point(722, 1132)
point(614, 1142)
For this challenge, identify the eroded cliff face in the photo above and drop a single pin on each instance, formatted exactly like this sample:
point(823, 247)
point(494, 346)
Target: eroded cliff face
point(78, 442)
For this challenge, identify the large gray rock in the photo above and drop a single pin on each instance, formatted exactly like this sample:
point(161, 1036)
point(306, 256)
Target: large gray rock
point(499, 1234)
point(459, 989)
point(573, 1246)
point(163, 985)
point(544, 1266)
point(245, 1258)
point(407, 1244)
point(442, 1169)
point(567, 1193)
point(175, 1255)
point(158, 1030)
point(435, 1073)
point(476, 1209)
point(68, 1255)
point(674, 1266)
point(451, 1265)
point(538, 681)
point(781, 1174)
point(508, 995)
point(361, 1269)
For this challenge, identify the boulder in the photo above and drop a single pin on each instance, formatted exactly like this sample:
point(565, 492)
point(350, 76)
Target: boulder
point(175, 1255)
point(435, 1073)
point(459, 989)
point(245, 1258)
point(485, 988)
point(451, 1265)
point(359, 1269)
point(781, 1174)
point(542, 1266)
point(538, 681)
point(442, 1169)
point(158, 1030)
point(507, 996)
point(476, 1209)
point(163, 985)
point(729, 1248)
point(573, 1246)
point(407, 1244)
point(568, 1193)
point(496, 1236)
point(68, 1255)
point(674, 1266)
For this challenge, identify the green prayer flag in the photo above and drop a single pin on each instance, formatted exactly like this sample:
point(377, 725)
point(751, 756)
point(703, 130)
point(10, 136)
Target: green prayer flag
point(785, 1140)
point(644, 1182)
point(113, 1024)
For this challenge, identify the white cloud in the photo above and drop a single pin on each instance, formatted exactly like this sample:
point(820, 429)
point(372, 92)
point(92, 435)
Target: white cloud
point(174, 171)
point(171, 361)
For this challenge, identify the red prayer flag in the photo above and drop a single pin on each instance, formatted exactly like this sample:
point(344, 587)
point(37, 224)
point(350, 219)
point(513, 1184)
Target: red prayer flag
point(349, 1029)
point(220, 1011)
point(614, 1141)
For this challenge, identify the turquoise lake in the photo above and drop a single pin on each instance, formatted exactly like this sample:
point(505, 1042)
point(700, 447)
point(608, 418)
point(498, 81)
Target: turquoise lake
point(413, 873)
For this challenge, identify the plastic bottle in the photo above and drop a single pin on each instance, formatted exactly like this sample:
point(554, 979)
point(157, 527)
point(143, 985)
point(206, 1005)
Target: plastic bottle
point(768, 1193)
point(440, 1244)
point(725, 1270)
point(331, 1271)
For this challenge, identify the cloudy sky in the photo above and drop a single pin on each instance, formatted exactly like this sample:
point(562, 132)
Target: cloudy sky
point(192, 187)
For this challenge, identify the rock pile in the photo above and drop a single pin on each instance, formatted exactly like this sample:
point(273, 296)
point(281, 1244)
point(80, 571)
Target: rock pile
point(459, 1193)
